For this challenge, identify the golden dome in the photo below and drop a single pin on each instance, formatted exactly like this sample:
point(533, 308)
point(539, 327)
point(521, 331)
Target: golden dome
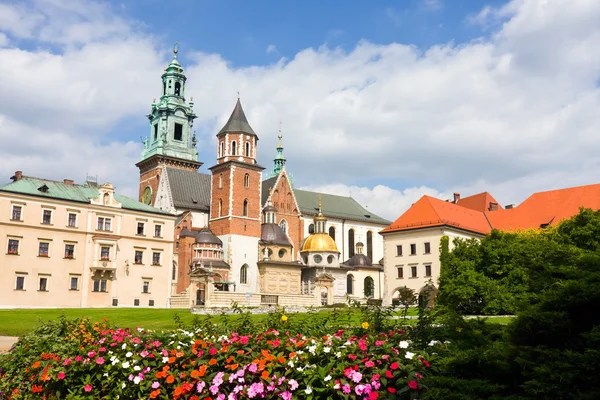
point(319, 242)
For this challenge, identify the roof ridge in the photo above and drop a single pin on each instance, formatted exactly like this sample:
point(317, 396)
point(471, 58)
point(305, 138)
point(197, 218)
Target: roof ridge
point(432, 206)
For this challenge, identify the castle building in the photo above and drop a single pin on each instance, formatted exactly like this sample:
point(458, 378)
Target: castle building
point(81, 245)
point(412, 242)
point(259, 224)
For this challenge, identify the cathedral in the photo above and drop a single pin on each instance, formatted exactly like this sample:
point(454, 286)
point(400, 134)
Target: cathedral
point(244, 233)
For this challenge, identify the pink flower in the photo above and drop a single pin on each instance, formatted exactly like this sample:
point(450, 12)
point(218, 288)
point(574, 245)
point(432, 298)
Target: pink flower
point(99, 360)
point(61, 375)
point(346, 389)
point(379, 342)
point(352, 357)
point(67, 361)
point(78, 358)
point(293, 384)
point(394, 365)
point(418, 375)
point(357, 377)
point(200, 386)
point(286, 395)
point(376, 377)
point(102, 349)
point(413, 384)
point(253, 368)
point(369, 364)
point(87, 388)
point(155, 385)
point(91, 354)
point(213, 351)
point(244, 340)
point(144, 353)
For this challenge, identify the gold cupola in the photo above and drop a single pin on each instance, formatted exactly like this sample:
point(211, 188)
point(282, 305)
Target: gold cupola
point(320, 240)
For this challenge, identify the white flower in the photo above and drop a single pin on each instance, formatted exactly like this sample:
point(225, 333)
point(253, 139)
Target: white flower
point(137, 380)
point(434, 342)
point(129, 354)
point(165, 359)
point(123, 385)
point(327, 378)
point(338, 354)
point(124, 346)
point(137, 368)
point(404, 344)
point(125, 364)
point(326, 349)
point(105, 374)
point(409, 355)
point(311, 349)
point(299, 352)
point(291, 364)
point(308, 390)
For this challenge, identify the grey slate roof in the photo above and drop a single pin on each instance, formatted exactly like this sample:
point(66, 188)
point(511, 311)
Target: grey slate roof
point(190, 189)
point(333, 206)
point(237, 122)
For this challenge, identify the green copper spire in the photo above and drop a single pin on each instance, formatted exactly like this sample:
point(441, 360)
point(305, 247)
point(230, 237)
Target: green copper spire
point(172, 118)
point(279, 161)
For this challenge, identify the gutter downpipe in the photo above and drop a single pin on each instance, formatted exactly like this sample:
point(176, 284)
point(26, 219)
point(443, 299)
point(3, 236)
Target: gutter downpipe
point(343, 240)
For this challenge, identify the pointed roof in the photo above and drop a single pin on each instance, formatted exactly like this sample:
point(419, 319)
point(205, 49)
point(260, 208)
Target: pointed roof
point(429, 211)
point(479, 202)
point(237, 122)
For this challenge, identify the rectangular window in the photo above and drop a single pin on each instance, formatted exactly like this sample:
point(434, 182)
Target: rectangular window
point(399, 250)
point(13, 246)
point(104, 224)
point(158, 230)
point(146, 287)
point(105, 253)
point(72, 221)
point(74, 283)
point(43, 284)
point(20, 283)
point(138, 256)
point(427, 248)
point(69, 250)
point(413, 249)
point(155, 132)
point(155, 258)
point(400, 274)
point(136, 302)
point(43, 249)
point(99, 285)
point(413, 271)
point(140, 228)
point(178, 132)
point(47, 217)
point(428, 270)
point(16, 213)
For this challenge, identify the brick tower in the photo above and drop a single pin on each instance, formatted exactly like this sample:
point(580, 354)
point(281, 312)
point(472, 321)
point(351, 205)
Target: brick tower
point(235, 212)
point(171, 142)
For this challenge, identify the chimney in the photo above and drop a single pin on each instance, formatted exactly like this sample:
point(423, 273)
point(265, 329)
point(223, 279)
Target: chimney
point(493, 206)
point(509, 206)
point(18, 175)
point(456, 197)
point(69, 182)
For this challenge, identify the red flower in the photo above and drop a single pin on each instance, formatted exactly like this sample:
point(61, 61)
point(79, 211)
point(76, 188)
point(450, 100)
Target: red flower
point(352, 357)
point(391, 390)
point(413, 385)
point(426, 363)
point(388, 373)
point(373, 396)
point(394, 365)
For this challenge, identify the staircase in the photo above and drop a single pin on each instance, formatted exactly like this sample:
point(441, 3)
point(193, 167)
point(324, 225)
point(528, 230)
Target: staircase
point(181, 300)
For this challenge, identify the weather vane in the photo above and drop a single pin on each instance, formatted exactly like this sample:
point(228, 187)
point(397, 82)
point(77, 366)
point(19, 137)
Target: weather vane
point(176, 49)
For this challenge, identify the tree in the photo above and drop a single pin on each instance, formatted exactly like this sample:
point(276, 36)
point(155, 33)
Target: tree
point(406, 297)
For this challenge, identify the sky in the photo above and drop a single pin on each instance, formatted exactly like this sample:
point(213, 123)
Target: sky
point(385, 101)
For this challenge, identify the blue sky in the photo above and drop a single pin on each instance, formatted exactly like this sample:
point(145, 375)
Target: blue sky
point(386, 100)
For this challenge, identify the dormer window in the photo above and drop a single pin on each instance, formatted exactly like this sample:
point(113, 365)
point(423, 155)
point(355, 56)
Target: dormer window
point(43, 188)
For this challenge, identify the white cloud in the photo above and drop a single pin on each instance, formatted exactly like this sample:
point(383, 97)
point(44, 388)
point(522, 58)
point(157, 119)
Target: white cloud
point(272, 49)
point(510, 114)
point(433, 5)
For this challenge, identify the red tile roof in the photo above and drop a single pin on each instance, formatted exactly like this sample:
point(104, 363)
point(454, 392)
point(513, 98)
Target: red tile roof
point(479, 202)
point(472, 214)
point(429, 211)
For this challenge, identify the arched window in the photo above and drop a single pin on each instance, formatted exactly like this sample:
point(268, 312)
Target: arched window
point(332, 232)
point(165, 87)
point(350, 284)
point(244, 274)
point(247, 149)
point(222, 149)
point(221, 181)
point(177, 89)
point(369, 287)
point(283, 225)
point(246, 180)
point(174, 272)
point(311, 229)
point(245, 207)
point(370, 245)
point(233, 149)
point(220, 207)
point(351, 242)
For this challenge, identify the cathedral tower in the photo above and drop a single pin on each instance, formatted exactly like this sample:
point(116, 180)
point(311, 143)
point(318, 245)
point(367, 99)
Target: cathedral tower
point(171, 141)
point(235, 212)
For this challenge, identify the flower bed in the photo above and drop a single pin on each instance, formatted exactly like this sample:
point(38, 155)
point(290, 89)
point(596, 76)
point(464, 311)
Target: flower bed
point(96, 361)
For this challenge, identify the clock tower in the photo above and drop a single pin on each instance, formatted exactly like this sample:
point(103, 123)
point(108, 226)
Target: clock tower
point(171, 142)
